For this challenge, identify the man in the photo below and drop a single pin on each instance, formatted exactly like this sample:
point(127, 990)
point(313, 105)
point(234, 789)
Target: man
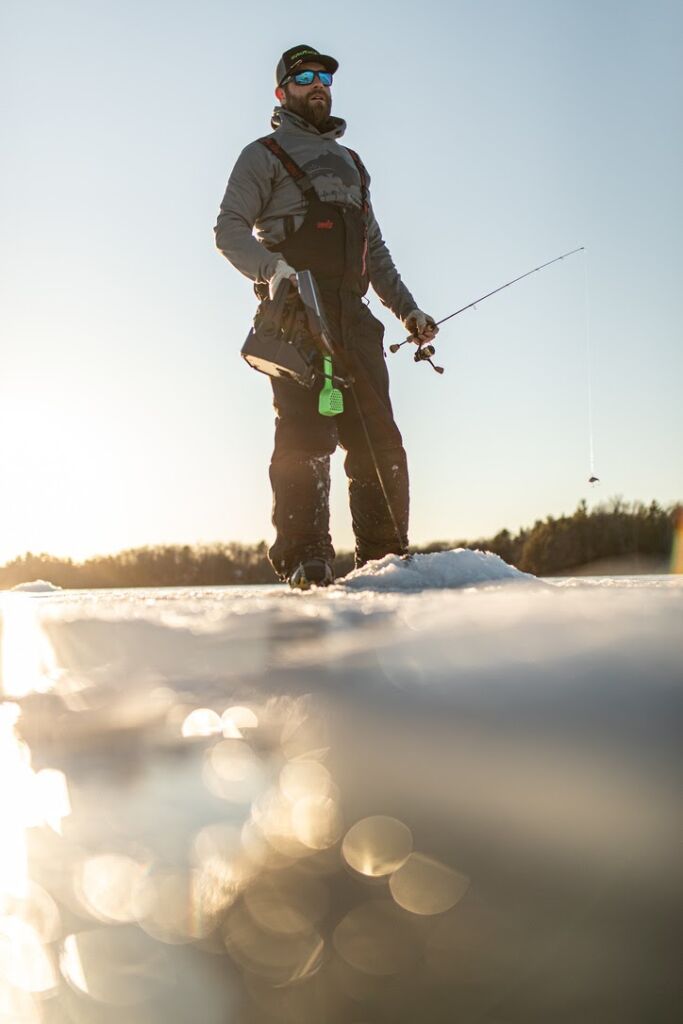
point(298, 200)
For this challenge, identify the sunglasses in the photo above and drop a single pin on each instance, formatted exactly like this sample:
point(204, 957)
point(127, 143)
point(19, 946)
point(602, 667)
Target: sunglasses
point(308, 77)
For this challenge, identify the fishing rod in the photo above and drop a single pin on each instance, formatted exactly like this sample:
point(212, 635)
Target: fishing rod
point(426, 350)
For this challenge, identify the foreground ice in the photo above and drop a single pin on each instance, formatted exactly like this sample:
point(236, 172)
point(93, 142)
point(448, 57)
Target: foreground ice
point(387, 802)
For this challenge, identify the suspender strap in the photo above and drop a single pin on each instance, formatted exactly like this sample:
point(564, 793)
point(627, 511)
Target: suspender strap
point(365, 205)
point(363, 178)
point(291, 166)
point(302, 180)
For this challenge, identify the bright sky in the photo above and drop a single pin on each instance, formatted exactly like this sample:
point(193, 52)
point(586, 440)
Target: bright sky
point(497, 134)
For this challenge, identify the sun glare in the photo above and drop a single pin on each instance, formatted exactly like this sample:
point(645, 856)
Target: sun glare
point(46, 452)
point(29, 799)
point(27, 661)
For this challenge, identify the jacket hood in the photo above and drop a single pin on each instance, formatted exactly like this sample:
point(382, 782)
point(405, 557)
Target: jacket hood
point(333, 128)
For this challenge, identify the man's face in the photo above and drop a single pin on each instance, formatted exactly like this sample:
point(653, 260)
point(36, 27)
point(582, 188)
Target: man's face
point(312, 102)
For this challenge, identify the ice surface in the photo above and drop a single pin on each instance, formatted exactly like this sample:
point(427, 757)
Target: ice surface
point(223, 786)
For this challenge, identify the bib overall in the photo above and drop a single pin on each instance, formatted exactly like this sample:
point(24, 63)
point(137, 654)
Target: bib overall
point(332, 243)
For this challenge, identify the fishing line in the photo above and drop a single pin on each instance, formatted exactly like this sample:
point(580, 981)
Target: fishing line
point(592, 478)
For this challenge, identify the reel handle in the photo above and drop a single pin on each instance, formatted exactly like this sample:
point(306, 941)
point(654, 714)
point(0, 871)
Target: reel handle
point(397, 345)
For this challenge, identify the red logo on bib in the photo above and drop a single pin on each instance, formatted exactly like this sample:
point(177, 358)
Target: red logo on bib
point(325, 225)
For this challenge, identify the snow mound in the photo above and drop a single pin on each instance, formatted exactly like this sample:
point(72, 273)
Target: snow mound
point(439, 570)
point(37, 587)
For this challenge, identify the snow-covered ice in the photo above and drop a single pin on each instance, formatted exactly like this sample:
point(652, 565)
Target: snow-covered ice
point(441, 791)
point(437, 571)
point(36, 587)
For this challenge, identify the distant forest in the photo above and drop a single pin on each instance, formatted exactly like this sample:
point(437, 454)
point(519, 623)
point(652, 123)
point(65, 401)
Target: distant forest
point(550, 547)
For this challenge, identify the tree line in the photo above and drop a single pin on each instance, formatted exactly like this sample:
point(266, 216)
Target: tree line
point(550, 547)
point(614, 530)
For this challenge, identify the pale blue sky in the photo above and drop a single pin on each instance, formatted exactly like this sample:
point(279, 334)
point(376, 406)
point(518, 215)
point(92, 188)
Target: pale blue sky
point(497, 134)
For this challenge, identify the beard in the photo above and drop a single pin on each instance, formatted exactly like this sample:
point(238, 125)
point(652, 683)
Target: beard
point(314, 108)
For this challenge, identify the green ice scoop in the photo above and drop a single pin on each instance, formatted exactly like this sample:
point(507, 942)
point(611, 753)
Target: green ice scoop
point(330, 399)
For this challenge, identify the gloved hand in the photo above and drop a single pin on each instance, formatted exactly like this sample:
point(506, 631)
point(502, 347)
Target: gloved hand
point(283, 272)
point(420, 325)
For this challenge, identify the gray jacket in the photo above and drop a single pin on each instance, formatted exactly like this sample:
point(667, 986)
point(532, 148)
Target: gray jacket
point(261, 195)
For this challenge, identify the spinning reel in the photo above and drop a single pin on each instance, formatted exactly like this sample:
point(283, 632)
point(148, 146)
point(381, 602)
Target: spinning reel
point(424, 354)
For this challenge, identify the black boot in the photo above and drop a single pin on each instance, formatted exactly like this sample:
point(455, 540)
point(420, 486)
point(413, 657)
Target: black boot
point(314, 572)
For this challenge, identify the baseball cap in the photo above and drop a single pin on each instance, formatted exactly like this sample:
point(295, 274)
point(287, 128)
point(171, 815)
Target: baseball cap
point(297, 55)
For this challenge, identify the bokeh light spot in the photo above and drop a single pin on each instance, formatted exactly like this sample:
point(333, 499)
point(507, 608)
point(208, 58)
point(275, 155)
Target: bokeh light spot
point(286, 905)
point(237, 720)
point(373, 939)
point(317, 822)
point(233, 771)
point(281, 958)
point(377, 846)
point(201, 722)
point(106, 883)
point(425, 886)
point(24, 961)
point(168, 906)
point(299, 779)
point(118, 966)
